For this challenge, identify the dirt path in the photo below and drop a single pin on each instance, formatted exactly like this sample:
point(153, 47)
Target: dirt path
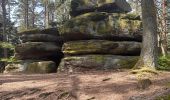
point(80, 86)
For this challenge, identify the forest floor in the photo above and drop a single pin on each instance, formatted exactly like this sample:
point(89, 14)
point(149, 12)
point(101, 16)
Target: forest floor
point(115, 85)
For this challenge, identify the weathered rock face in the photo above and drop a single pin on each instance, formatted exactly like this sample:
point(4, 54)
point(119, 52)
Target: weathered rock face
point(96, 62)
point(101, 47)
point(31, 47)
point(41, 38)
point(37, 50)
point(51, 31)
point(91, 23)
point(100, 37)
point(98, 25)
point(40, 50)
point(79, 7)
point(41, 67)
point(31, 67)
point(97, 37)
point(14, 68)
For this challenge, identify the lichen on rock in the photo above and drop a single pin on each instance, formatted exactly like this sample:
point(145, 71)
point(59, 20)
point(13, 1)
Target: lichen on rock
point(96, 62)
point(101, 47)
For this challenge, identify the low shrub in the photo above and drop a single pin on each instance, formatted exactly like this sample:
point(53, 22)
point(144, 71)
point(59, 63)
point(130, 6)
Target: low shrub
point(164, 63)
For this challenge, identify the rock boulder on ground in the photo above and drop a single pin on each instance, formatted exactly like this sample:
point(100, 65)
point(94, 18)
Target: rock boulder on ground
point(101, 47)
point(96, 62)
point(14, 68)
point(31, 66)
point(41, 67)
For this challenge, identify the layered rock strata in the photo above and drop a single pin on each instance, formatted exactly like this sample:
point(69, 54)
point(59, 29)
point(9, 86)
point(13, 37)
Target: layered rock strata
point(39, 52)
point(100, 36)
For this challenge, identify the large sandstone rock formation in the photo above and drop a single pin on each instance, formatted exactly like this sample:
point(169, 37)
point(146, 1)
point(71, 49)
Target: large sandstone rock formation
point(101, 25)
point(28, 66)
point(79, 7)
point(100, 36)
point(41, 67)
point(39, 52)
point(96, 62)
point(14, 68)
point(37, 35)
point(101, 47)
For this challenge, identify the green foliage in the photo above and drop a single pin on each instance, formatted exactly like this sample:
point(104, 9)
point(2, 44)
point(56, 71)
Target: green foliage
point(164, 63)
point(9, 60)
point(167, 97)
point(7, 45)
point(28, 31)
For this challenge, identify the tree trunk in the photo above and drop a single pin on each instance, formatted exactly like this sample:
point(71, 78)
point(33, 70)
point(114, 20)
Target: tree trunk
point(3, 5)
point(149, 53)
point(33, 13)
point(164, 47)
point(4, 24)
point(26, 14)
point(46, 15)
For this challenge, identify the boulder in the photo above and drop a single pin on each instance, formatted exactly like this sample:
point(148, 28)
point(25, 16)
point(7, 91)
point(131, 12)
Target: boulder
point(14, 68)
point(79, 7)
point(40, 38)
point(31, 66)
point(52, 31)
point(37, 50)
point(96, 62)
point(98, 25)
point(41, 67)
point(101, 47)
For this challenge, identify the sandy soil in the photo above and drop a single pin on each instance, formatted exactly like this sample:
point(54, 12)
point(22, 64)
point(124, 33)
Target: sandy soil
point(119, 85)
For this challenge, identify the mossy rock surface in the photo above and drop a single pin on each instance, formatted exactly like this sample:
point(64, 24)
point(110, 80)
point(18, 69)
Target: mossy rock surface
point(52, 31)
point(31, 66)
point(98, 25)
point(131, 16)
point(91, 23)
point(41, 38)
point(41, 67)
point(96, 62)
point(14, 68)
point(37, 50)
point(79, 7)
point(31, 47)
point(101, 47)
